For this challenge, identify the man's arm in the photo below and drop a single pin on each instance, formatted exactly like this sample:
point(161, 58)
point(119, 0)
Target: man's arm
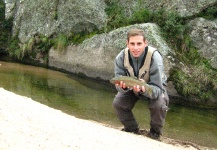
point(120, 71)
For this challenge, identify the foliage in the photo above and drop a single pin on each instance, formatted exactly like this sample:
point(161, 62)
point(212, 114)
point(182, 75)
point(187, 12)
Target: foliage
point(5, 27)
point(140, 16)
point(61, 43)
point(37, 44)
point(209, 13)
point(116, 16)
point(195, 82)
point(79, 38)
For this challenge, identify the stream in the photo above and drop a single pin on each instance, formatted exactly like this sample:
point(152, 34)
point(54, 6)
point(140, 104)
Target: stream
point(92, 100)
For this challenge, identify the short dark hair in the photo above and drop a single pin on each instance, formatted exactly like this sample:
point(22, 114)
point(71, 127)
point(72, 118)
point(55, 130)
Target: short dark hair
point(135, 32)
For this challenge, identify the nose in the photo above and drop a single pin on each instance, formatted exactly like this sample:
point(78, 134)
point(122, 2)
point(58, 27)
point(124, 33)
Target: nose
point(135, 46)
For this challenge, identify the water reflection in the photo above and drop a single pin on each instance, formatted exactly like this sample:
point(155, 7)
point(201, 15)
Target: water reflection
point(88, 99)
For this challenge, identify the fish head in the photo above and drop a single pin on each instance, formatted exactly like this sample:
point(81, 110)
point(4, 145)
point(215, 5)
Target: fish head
point(114, 81)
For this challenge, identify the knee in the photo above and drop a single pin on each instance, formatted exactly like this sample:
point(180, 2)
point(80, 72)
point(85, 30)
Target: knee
point(159, 103)
point(156, 104)
point(116, 103)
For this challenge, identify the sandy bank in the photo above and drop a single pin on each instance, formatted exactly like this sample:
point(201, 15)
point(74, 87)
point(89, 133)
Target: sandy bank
point(26, 124)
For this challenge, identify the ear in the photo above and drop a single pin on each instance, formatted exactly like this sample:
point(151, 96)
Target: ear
point(146, 42)
point(127, 43)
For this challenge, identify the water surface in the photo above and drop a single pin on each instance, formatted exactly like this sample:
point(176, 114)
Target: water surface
point(87, 99)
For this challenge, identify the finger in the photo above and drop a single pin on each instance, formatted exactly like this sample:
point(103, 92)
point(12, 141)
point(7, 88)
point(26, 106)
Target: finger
point(121, 84)
point(137, 88)
point(142, 80)
point(143, 89)
point(134, 88)
point(124, 85)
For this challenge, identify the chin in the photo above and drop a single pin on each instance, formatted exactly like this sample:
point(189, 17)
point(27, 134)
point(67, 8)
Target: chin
point(136, 56)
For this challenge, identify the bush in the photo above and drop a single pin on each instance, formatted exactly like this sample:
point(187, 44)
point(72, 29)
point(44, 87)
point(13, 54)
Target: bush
point(140, 16)
point(195, 82)
point(116, 16)
point(5, 27)
point(61, 42)
point(210, 13)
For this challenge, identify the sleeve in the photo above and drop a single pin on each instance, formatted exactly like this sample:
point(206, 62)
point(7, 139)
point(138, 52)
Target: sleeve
point(156, 76)
point(119, 65)
point(119, 69)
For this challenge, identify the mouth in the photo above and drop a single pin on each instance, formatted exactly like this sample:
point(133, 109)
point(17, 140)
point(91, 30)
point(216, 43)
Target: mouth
point(136, 53)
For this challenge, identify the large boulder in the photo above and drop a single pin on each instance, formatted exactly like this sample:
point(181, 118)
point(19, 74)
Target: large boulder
point(95, 56)
point(184, 8)
point(204, 36)
point(55, 16)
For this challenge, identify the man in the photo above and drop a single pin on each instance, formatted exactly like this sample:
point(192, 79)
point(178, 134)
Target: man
point(145, 63)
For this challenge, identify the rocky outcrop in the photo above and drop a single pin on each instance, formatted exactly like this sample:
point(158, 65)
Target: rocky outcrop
point(185, 8)
point(49, 17)
point(204, 36)
point(95, 56)
point(67, 16)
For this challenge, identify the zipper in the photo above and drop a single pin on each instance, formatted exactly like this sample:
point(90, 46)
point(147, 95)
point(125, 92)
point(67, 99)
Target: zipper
point(137, 65)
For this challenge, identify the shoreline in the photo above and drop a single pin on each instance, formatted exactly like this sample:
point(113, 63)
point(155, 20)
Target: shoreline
point(27, 124)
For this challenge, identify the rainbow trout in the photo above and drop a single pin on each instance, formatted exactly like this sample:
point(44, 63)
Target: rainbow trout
point(130, 82)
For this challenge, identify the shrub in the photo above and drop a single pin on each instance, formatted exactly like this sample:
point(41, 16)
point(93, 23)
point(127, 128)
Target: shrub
point(5, 27)
point(61, 42)
point(209, 13)
point(140, 16)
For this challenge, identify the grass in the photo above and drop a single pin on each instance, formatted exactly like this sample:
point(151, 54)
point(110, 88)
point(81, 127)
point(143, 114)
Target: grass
point(61, 43)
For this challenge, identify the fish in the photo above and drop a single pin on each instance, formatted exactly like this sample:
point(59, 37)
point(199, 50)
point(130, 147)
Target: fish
point(130, 82)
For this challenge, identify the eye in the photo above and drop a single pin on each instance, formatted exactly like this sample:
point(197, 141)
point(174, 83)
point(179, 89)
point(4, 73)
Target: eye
point(132, 44)
point(139, 44)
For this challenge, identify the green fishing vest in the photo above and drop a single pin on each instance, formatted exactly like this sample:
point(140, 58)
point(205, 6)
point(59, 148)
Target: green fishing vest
point(144, 70)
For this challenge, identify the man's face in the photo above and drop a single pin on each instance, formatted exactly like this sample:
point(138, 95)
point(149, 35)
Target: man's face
point(136, 45)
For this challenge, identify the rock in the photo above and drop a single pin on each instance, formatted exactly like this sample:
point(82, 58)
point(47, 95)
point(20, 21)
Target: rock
point(54, 16)
point(204, 36)
point(31, 17)
point(95, 56)
point(184, 8)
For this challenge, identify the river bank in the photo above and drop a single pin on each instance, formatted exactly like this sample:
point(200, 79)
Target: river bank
point(26, 124)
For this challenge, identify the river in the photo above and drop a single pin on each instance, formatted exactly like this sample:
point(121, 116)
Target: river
point(92, 100)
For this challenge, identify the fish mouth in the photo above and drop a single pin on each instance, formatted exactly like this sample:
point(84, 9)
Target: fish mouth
point(112, 81)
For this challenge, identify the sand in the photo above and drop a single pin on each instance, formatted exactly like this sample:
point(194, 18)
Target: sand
point(27, 124)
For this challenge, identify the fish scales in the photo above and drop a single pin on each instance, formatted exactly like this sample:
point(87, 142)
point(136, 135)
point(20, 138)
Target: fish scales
point(130, 82)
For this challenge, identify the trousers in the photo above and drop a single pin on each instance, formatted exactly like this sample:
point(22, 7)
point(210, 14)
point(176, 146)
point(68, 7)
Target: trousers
point(123, 104)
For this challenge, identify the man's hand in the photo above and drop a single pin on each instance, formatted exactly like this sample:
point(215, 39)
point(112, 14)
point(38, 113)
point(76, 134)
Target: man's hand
point(137, 88)
point(122, 85)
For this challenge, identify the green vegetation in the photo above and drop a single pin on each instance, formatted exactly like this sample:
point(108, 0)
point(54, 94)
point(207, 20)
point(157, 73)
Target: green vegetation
point(80, 37)
point(209, 13)
point(5, 28)
point(40, 44)
point(37, 45)
point(196, 82)
point(61, 42)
